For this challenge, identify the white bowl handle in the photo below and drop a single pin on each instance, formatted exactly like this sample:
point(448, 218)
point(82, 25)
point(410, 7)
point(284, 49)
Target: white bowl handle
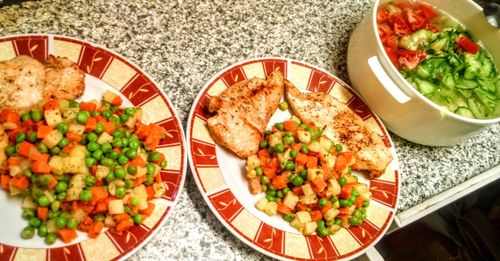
point(384, 79)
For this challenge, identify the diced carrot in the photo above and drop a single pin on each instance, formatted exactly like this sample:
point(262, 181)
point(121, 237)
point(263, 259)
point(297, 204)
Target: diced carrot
point(142, 130)
point(344, 210)
point(53, 183)
point(316, 215)
point(301, 207)
point(9, 115)
point(88, 106)
point(101, 207)
point(297, 146)
point(42, 213)
point(13, 161)
point(124, 225)
point(298, 191)
point(156, 134)
point(274, 164)
point(138, 181)
point(40, 167)
point(255, 186)
point(138, 162)
point(150, 191)
point(25, 149)
point(121, 217)
point(346, 191)
point(263, 155)
point(43, 131)
point(149, 210)
point(312, 162)
point(73, 136)
point(327, 207)
point(348, 155)
point(20, 181)
point(358, 202)
point(69, 147)
point(40, 157)
point(5, 182)
point(109, 127)
point(52, 104)
point(283, 209)
point(117, 101)
point(280, 181)
point(269, 172)
point(158, 178)
point(91, 124)
point(340, 163)
point(319, 184)
point(301, 159)
point(67, 235)
point(98, 194)
point(95, 229)
point(343, 217)
point(290, 125)
point(274, 129)
point(87, 207)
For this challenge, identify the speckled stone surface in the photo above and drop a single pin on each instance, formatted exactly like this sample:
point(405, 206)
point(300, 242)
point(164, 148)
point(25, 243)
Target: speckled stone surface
point(181, 44)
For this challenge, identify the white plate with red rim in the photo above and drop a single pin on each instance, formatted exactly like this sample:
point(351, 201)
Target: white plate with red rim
point(220, 175)
point(105, 70)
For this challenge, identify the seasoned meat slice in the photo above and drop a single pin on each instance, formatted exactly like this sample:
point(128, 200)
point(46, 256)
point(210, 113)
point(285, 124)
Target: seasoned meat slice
point(64, 79)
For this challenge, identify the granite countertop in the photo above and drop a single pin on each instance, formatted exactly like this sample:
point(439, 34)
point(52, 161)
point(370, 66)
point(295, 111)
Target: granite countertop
point(181, 44)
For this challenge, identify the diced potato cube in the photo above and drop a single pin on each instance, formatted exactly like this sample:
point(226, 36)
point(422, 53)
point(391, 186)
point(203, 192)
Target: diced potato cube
point(303, 216)
point(14, 170)
point(304, 136)
point(252, 174)
point(69, 114)
point(56, 164)
point(51, 226)
point(331, 214)
point(159, 189)
point(271, 208)
point(52, 139)
point(131, 122)
point(309, 228)
point(333, 188)
point(297, 224)
point(275, 139)
point(307, 189)
point(314, 146)
point(74, 165)
point(76, 185)
point(76, 128)
point(311, 199)
point(78, 151)
point(252, 162)
point(101, 172)
point(333, 228)
point(290, 200)
point(29, 202)
point(63, 104)
point(261, 204)
point(104, 138)
point(361, 188)
point(312, 173)
point(109, 96)
point(116, 206)
point(295, 119)
point(14, 191)
point(284, 157)
point(325, 143)
point(53, 117)
point(366, 195)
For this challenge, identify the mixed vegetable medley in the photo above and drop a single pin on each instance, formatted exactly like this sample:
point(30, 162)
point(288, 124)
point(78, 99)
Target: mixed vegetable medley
point(307, 179)
point(81, 166)
point(439, 58)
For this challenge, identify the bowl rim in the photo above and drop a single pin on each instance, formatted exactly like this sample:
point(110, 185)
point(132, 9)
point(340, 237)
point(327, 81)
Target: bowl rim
point(387, 62)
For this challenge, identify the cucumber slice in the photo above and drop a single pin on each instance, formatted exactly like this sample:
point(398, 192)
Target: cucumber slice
point(422, 72)
point(487, 68)
point(464, 111)
point(449, 82)
point(439, 44)
point(466, 84)
point(426, 87)
point(475, 108)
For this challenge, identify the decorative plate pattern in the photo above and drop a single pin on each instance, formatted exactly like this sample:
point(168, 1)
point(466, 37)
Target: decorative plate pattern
point(104, 70)
point(218, 173)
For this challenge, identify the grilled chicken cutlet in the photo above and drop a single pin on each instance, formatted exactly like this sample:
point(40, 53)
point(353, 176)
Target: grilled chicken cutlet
point(243, 111)
point(22, 82)
point(343, 126)
point(63, 79)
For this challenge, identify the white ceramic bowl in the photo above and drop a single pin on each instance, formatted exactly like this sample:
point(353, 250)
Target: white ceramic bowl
point(404, 110)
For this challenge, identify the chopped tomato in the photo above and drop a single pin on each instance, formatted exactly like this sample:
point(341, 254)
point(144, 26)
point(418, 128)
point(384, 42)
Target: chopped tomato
point(399, 25)
point(468, 45)
point(382, 15)
point(427, 11)
point(415, 19)
point(410, 58)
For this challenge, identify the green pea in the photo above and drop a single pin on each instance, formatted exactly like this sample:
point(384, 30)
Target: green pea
point(285, 190)
point(150, 168)
point(86, 195)
point(263, 144)
point(113, 155)
point(154, 157)
point(89, 181)
point(36, 116)
point(337, 221)
point(25, 116)
point(63, 142)
point(61, 186)
point(303, 173)
point(293, 154)
point(331, 150)
point(110, 177)
point(20, 137)
point(42, 230)
point(290, 165)
point(131, 154)
point(61, 222)
point(107, 162)
point(132, 169)
point(89, 162)
point(61, 196)
point(283, 106)
point(117, 142)
point(263, 187)
point(322, 231)
point(279, 147)
point(74, 104)
point(279, 126)
point(32, 137)
point(52, 214)
point(99, 128)
point(345, 203)
point(54, 206)
point(164, 164)
point(28, 213)
point(297, 181)
point(322, 202)
point(125, 142)
point(55, 150)
point(258, 171)
point(92, 137)
point(138, 219)
point(289, 140)
point(95, 113)
point(320, 223)
point(98, 154)
point(355, 192)
point(117, 134)
point(120, 172)
point(129, 111)
point(304, 149)
point(342, 181)
point(354, 221)
point(124, 118)
point(106, 113)
point(27, 233)
point(338, 148)
point(366, 203)
point(352, 198)
point(289, 217)
point(150, 179)
point(279, 194)
point(270, 198)
point(129, 183)
point(50, 238)
point(264, 179)
point(120, 192)
point(34, 222)
point(115, 120)
point(27, 173)
point(72, 223)
point(10, 150)
point(122, 159)
point(17, 146)
point(43, 201)
point(133, 144)
point(282, 165)
point(62, 127)
point(92, 146)
point(106, 147)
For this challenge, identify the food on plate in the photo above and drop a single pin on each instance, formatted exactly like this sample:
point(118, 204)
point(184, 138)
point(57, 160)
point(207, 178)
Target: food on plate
point(25, 81)
point(343, 126)
point(440, 58)
point(307, 179)
point(243, 111)
point(81, 166)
